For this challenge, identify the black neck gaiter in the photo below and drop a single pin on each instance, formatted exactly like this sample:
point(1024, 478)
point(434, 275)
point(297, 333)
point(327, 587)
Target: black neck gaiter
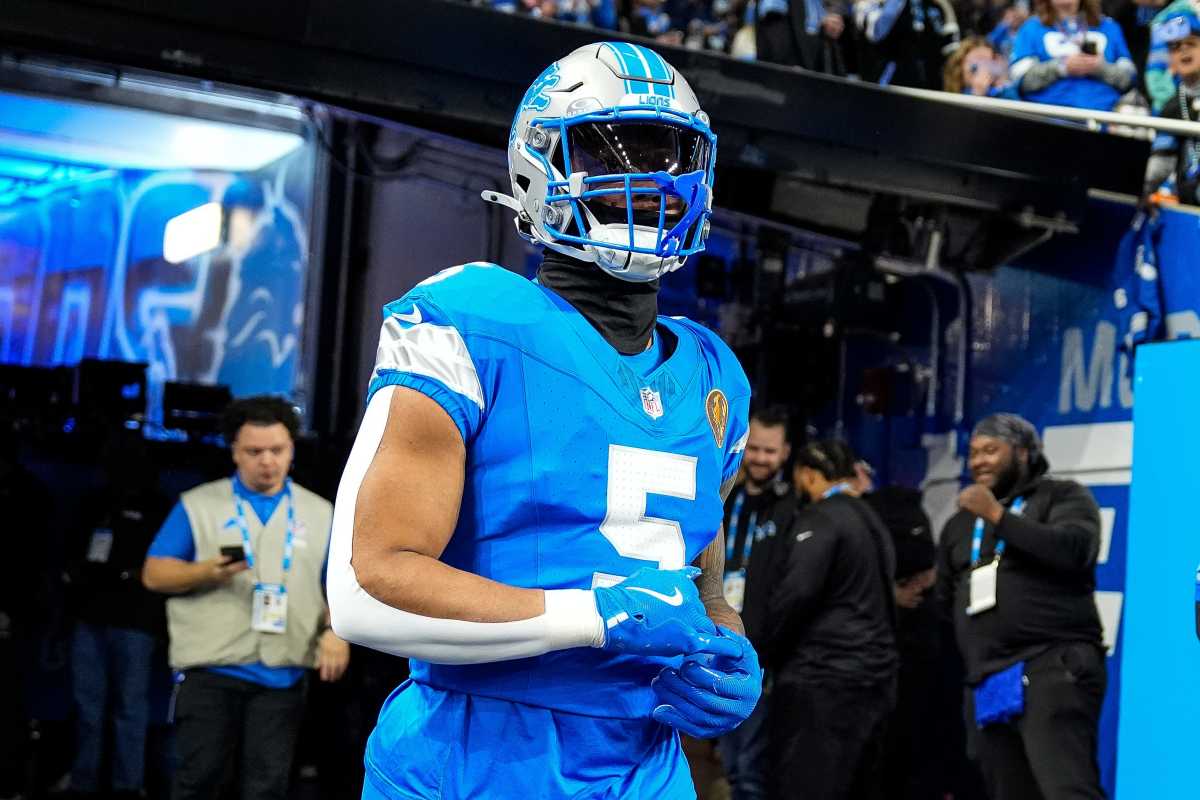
point(622, 311)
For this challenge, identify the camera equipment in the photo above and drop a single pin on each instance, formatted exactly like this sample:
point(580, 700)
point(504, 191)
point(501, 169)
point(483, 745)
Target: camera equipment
point(110, 393)
point(194, 407)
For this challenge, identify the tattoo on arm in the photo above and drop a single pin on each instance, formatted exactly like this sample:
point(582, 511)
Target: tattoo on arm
point(711, 582)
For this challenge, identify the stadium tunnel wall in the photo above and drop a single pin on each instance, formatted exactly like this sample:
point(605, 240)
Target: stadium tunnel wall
point(82, 274)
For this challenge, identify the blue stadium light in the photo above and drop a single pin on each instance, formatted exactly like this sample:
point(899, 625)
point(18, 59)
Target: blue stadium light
point(192, 233)
point(129, 138)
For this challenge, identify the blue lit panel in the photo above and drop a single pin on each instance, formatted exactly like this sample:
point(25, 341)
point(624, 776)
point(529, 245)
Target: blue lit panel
point(1160, 695)
point(60, 130)
point(86, 192)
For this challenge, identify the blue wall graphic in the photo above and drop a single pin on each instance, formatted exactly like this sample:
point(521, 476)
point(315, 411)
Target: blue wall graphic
point(82, 274)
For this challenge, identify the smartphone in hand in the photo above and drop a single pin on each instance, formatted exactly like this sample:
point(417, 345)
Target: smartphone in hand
point(235, 553)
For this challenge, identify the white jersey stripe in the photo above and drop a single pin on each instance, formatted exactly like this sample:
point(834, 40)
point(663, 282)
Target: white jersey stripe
point(435, 351)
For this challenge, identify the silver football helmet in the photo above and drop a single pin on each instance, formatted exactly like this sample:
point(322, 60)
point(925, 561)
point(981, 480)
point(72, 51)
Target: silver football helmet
point(611, 161)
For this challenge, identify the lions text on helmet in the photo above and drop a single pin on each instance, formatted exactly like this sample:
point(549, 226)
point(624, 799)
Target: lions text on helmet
point(611, 161)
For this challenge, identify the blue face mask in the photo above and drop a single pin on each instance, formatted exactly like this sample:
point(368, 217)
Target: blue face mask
point(646, 167)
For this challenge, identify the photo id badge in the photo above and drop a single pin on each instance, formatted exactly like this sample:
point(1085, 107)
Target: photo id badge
point(269, 614)
point(983, 588)
point(100, 547)
point(735, 589)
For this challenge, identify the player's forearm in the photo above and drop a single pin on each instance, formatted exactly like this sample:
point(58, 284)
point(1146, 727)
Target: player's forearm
point(711, 585)
point(423, 585)
point(490, 622)
point(570, 620)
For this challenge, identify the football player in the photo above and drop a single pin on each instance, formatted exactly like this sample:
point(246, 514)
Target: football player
point(531, 510)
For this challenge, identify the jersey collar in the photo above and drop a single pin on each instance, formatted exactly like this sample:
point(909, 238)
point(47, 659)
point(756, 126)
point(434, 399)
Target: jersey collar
point(671, 379)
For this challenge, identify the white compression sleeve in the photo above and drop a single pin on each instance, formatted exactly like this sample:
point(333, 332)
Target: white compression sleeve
point(570, 619)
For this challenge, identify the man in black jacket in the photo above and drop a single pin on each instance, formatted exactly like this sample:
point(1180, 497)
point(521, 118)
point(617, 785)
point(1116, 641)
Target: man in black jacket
point(830, 637)
point(1016, 569)
point(752, 517)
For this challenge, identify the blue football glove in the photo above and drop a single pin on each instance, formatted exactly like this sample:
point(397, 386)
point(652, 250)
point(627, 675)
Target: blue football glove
point(709, 695)
point(658, 612)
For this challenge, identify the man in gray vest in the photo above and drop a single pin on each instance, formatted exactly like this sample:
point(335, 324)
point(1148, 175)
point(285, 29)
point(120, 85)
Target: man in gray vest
point(244, 560)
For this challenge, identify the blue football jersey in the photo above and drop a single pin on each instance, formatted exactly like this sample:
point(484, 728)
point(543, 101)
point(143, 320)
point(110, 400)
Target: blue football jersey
point(1037, 42)
point(579, 470)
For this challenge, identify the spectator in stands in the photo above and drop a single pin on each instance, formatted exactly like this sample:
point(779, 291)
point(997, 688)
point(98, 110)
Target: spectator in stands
point(977, 68)
point(743, 46)
point(752, 518)
point(1004, 34)
point(243, 559)
point(978, 17)
point(707, 26)
point(649, 18)
point(830, 637)
point(801, 33)
point(597, 13)
point(1173, 154)
point(1016, 571)
point(1069, 54)
point(905, 41)
point(1160, 83)
point(118, 623)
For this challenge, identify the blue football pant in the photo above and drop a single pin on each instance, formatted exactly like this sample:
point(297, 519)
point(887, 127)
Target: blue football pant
point(431, 744)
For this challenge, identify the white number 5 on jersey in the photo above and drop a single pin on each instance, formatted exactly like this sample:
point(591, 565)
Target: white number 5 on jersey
point(634, 473)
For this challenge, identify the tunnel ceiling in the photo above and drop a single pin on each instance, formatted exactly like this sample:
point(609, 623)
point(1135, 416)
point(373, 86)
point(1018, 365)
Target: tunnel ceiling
point(793, 145)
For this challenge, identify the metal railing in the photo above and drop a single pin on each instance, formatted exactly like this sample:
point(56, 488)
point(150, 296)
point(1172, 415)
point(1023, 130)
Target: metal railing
point(1175, 127)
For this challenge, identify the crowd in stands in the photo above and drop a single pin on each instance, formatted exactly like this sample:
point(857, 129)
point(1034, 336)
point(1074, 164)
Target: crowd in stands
point(1137, 56)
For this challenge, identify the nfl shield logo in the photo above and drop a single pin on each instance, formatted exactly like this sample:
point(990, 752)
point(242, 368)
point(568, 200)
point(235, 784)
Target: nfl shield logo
point(652, 403)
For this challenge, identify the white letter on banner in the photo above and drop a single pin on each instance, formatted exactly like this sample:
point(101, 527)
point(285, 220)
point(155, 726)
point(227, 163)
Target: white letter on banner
point(1092, 379)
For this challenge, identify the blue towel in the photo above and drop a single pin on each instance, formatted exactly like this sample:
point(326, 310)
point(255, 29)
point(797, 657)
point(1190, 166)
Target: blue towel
point(1000, 697)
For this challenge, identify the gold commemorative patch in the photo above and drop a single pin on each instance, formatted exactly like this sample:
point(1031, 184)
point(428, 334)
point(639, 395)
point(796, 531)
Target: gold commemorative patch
point(717, 408)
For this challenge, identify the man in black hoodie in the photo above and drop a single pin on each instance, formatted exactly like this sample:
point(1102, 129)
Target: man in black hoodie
point(1016, 570)
point(761, 503)
point(830, 636)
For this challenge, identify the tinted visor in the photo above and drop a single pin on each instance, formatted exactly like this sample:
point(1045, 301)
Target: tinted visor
point(625, 148)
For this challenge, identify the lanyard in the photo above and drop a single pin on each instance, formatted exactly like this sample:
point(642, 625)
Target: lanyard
point(734, 526)
point(291, 528)
point(977, 538)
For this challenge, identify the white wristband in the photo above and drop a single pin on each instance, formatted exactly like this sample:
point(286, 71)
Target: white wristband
point(572, 619)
